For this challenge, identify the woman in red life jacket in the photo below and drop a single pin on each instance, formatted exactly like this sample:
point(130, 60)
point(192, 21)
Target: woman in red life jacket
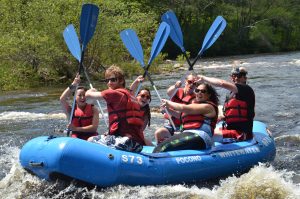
point(198, 119)
point(183, 95)
point(125, 115)
point(238, 108)
point(144, 98)
point(85, 119)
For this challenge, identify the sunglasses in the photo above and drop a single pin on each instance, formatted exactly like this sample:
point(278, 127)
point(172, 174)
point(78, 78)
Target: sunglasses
point(238, 75)
point(190, 82)
point(145, 96)
point(114, 79)
point(199, 90)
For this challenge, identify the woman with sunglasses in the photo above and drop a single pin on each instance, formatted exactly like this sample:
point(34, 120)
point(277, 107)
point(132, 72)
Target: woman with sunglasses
point(144, 98)
point(238, 108)
point(85, 119)
point(125, 115)
point(198, 118)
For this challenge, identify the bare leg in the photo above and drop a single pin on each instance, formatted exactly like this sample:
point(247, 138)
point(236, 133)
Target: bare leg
point(218, 136)
point(148, 142)
point(161, 134)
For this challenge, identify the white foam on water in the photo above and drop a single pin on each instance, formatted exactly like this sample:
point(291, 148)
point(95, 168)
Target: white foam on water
point(12, 95)
point(288, 138)
point(15, 115)
point(17, 179)
point(260, 182)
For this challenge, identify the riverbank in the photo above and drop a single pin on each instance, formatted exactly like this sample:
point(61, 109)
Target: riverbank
point(22, 78)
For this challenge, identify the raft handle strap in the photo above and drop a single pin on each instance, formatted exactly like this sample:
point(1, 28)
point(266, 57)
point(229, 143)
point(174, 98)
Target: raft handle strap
point(36, 164)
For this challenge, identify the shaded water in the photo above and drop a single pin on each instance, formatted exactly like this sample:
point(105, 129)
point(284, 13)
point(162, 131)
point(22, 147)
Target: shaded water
point(275, 79)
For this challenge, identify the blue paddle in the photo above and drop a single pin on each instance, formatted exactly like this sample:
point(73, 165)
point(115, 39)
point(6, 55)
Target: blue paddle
point(89, 17)
point(176, 35)
point(211, 36)
point(72, 42)
point(133, 45)
point(88, 22)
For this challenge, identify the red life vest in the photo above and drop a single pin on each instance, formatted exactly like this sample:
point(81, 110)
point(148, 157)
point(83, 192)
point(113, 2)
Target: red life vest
point(180, 98)
point(83, 117)
point(235, 111)
point(131, 113)
point(196, 121)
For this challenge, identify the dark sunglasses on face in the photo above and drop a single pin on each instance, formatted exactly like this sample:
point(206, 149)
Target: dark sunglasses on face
point(190, 82)
point(111, 79)
point(145, 96)
point(238, 75)
point(199, 90)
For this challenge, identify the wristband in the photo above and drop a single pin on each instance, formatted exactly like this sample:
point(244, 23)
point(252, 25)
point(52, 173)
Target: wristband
point(72, 87)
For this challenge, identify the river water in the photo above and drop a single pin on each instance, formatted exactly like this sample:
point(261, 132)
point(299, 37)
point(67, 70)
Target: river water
point(275, 80)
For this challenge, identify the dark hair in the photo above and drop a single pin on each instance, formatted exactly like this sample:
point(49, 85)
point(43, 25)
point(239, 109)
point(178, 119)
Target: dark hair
point(214, 96)
point(146, 89)
point(239, 71)
point(82, 87)
point(146, 108)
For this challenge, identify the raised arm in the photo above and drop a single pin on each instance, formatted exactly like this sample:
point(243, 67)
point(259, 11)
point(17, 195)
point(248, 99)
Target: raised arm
point(66, 94)
point(191, 109)
point(172, 88)
point(135, 83)
point(217, 82)
point(93, 94)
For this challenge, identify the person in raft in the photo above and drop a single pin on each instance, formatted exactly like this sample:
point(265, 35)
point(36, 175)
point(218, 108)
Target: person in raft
point(125, 116)
point(184, 96)
point(198, 119)
point(85, 119)
point(144, 98)
point(238, 108)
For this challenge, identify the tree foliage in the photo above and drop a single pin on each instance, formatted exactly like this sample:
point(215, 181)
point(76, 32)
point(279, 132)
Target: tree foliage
point(33, 50)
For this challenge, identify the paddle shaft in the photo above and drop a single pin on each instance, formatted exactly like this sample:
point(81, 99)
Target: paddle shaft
point(204, 47)
point(80, 69)
point(98, 103)
point(207, 43)
point(140, 83)
point(160, 99)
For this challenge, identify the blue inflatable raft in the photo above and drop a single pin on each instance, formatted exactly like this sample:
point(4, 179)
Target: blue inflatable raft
point(49, 157)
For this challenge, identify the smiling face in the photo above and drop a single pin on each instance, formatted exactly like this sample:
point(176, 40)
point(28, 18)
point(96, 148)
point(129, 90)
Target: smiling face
point(239, 78)
point(113, 82)
point(143, 98)
point(80, 97)
point(114, 77)
point(201, 93)
point(189, 85)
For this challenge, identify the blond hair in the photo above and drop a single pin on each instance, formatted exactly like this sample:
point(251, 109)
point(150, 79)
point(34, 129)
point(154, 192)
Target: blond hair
point(117, 71)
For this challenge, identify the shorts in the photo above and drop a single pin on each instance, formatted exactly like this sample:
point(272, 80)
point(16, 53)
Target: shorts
point(121, 143)
point(235, 134)
point(171, 130)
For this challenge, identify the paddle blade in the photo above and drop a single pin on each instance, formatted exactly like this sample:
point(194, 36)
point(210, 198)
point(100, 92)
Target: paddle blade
point(213, 33)
point(160, 39)
point(175, 31)
point(133, 45)
point(71, 39)
point(88, 22)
